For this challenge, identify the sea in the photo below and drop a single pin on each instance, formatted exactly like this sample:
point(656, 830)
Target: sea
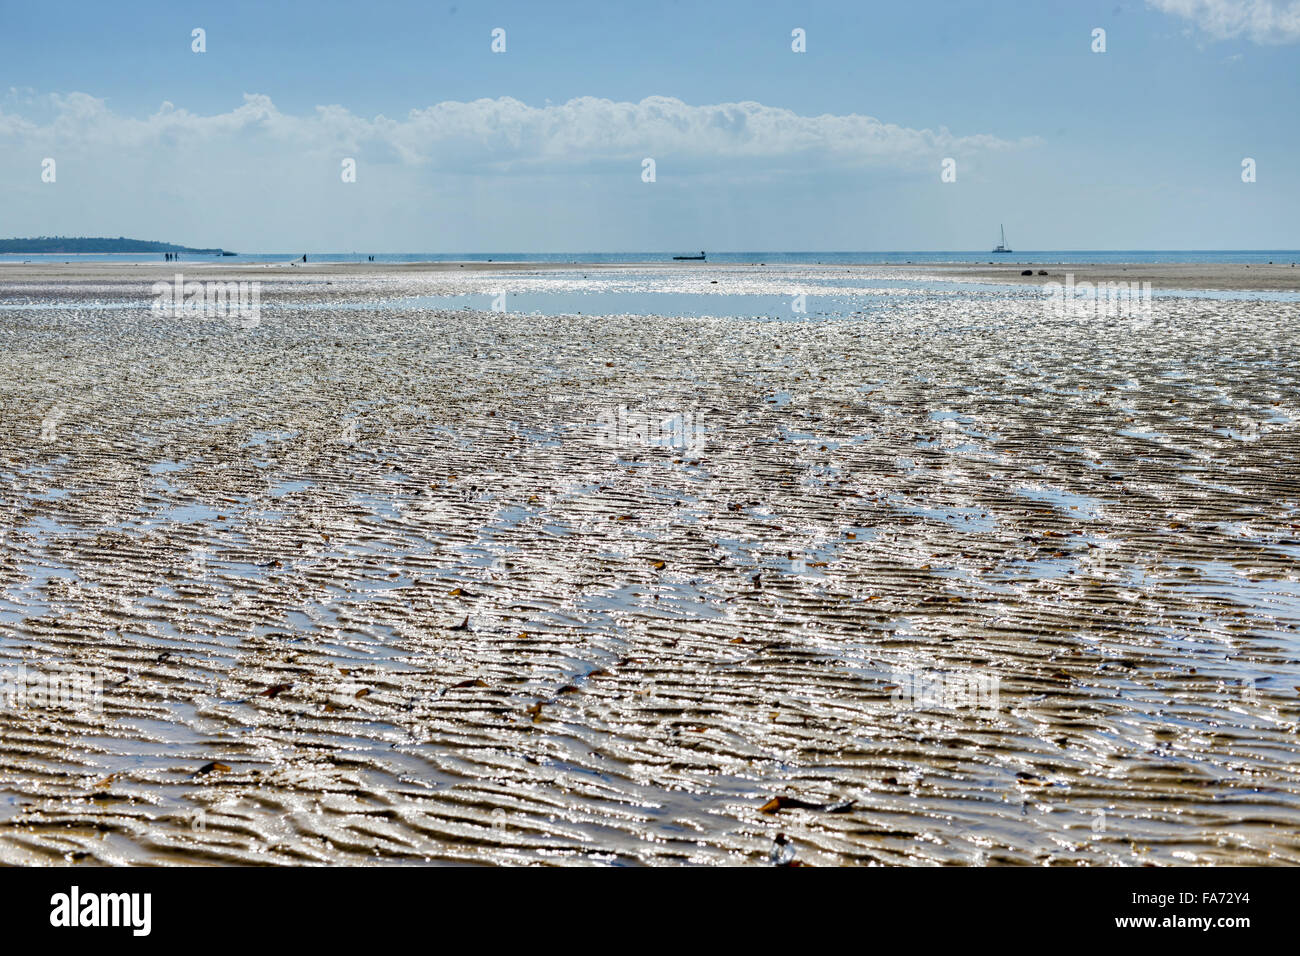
point(1043, 257)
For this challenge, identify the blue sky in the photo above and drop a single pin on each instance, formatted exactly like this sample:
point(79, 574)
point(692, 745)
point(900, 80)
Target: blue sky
point(540, 148)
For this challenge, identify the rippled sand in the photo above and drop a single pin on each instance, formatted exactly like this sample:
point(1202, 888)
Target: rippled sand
point(380, 584)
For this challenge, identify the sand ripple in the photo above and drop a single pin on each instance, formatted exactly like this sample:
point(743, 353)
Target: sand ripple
point(390, 571)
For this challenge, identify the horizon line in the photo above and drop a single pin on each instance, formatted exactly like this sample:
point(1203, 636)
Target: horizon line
point(665, 252)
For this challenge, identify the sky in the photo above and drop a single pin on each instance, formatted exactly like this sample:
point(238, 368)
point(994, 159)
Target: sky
point(542, 147)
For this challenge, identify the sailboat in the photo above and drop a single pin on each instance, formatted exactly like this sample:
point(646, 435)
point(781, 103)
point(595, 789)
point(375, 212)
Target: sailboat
point(1002, 246)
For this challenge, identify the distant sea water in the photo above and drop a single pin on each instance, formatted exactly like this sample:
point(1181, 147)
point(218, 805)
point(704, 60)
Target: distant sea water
point(1042, 257)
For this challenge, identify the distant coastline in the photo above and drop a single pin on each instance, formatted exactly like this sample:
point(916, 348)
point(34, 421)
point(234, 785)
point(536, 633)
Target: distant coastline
point(1041, 257)
point(82, 245)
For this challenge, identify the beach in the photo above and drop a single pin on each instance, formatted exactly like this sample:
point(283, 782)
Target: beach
point(358, 577)
point(1279, 276)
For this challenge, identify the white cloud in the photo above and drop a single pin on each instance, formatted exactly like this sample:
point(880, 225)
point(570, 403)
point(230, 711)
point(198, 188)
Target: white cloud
point(1263, 21)
point(484, 175)
point(502, 134)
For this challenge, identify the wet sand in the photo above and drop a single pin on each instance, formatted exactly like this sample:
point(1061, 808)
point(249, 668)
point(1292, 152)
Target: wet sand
point(380, 585)
point(1280, 276)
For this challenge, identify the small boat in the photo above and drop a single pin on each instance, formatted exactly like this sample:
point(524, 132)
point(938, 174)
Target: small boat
point(1002, 246)
point(698, 258)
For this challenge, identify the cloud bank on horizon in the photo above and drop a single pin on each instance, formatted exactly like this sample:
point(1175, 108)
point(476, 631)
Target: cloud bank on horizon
point(470, 166)
point(505, 133)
